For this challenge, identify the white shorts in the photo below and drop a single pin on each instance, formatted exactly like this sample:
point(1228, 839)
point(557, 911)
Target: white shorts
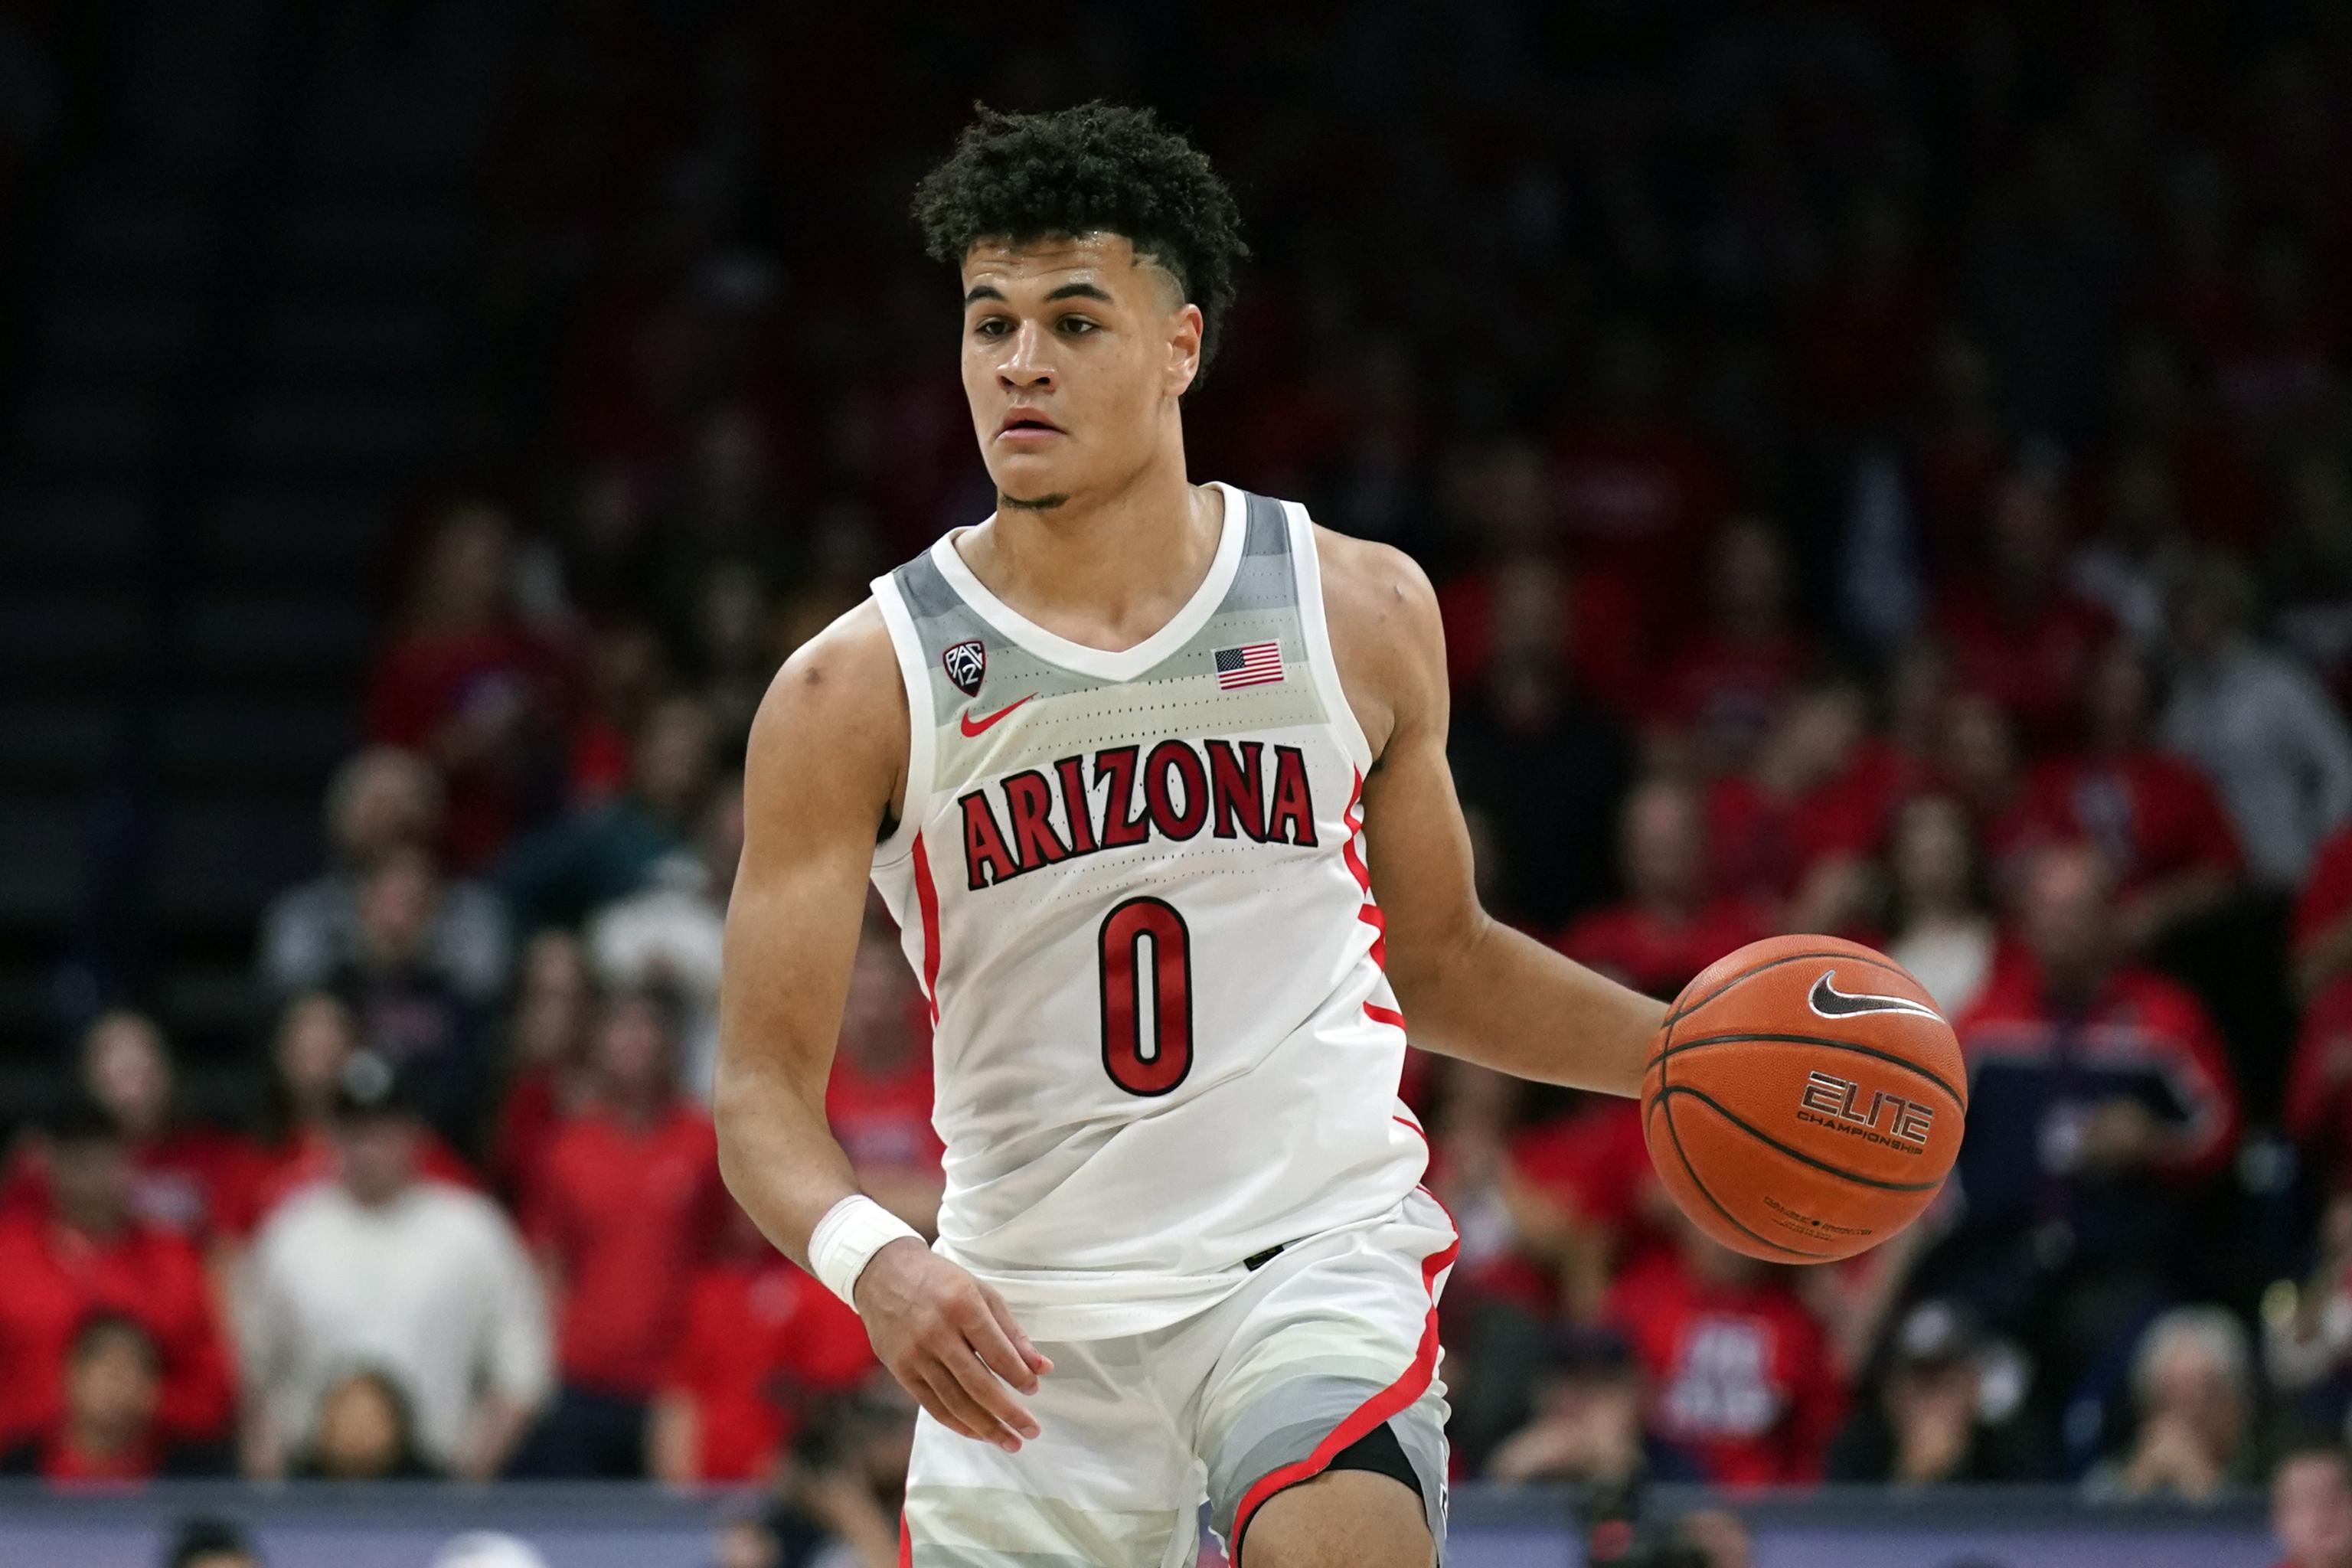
point(1330, 1339)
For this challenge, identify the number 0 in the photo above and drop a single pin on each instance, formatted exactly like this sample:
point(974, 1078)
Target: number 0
point(1127, 1031)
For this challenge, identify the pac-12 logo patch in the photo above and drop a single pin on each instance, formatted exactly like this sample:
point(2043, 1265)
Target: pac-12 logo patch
point(966, 663)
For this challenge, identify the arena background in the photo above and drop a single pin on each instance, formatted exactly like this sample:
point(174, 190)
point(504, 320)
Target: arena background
point(1886, 470)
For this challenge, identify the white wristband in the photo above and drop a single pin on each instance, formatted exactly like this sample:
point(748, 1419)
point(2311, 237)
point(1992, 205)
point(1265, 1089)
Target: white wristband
point(847, 1239)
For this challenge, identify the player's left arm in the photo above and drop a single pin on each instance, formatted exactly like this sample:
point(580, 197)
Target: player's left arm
point(1470, 986)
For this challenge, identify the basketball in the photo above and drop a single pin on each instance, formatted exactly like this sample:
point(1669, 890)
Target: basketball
point(1804, 1100)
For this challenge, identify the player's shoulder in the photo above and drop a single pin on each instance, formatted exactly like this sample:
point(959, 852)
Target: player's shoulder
point(839, 682)
point(1382, 613)
point(853, 649)
point(830, 741)
point(1366, 579)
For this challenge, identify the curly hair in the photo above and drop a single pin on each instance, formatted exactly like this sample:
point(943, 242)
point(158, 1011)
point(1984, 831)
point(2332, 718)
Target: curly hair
point(1097, 168)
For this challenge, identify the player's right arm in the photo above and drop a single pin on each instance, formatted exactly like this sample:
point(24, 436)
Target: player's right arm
point(823, 780)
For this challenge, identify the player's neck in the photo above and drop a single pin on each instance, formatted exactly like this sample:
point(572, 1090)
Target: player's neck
point(1104, 570)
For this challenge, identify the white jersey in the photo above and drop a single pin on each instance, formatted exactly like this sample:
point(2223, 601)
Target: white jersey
point(1132, 885)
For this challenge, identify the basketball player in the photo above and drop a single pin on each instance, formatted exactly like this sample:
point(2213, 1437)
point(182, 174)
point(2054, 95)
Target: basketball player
point(1129, 760)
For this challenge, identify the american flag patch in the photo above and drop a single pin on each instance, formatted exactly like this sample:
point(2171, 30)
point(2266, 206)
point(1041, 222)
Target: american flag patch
point(1254, 663)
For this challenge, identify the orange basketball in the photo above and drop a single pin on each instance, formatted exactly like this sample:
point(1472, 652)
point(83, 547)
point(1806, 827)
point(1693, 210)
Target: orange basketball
point(1804, 1100)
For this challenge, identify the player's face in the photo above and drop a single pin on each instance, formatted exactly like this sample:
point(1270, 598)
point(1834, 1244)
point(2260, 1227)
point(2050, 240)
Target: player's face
point(1074, 355)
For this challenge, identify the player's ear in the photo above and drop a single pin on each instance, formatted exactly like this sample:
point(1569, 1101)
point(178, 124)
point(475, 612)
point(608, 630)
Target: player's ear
point(1183, 349)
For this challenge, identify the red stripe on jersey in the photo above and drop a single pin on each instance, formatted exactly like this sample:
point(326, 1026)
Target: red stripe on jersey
point(1353, 815)
point(1379, 1014)
point(1396, 1397)
point(906, 1543)
point(927, 898)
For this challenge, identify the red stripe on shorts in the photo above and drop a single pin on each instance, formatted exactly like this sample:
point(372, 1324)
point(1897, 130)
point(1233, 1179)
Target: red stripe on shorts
point(1396, 1397)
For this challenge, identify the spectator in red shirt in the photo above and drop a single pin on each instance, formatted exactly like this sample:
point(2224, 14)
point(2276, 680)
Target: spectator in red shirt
point(1727, 676)
point(1740, 1382)
point(764, 1344)
point(2311, 1509)
point(2163, 830)
point(192, 1180)
point(466, 683)
point(107, 1434)
point(880, 1098)
point(2099, 1093)
point(626, 1207)
point(87, 1251)
point(1667, 928)
point(2017, 631)
point(1795, 831)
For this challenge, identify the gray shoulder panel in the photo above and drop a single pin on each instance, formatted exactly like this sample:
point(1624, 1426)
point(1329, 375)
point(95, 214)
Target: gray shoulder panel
point(1267, 578)
point(1269, 527)
point(941, 619)
point(926, 591)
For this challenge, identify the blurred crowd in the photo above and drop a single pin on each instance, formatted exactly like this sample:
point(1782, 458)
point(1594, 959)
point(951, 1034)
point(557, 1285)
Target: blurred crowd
point(1887, 475)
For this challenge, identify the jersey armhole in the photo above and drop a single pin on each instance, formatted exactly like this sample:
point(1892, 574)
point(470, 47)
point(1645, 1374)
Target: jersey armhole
point(1318, 628)
point(922, 733)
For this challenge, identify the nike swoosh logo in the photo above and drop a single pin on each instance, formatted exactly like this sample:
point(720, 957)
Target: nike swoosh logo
point(972, 728)
point(1832, 1002)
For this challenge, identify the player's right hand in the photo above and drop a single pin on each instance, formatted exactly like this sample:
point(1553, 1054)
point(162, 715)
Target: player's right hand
point(952, 1341)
